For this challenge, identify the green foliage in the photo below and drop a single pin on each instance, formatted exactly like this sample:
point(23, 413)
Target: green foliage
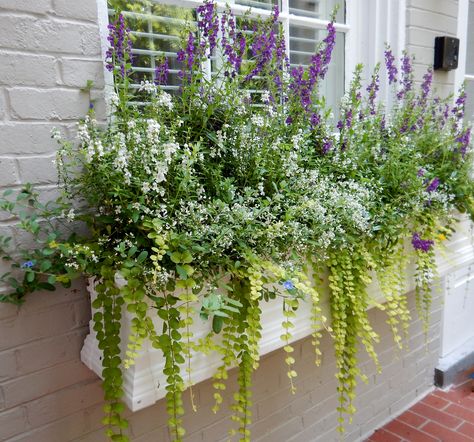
point(212, 202)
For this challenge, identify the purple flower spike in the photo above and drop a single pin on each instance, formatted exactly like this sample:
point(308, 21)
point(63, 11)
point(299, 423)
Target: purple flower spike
point(265, 46)
point(407, 79)
point(433, 185)
point(302, 86)
point(458, 109)
point(421, 172)
point(349, 118)
point(423, 245)
point(120, 51)
point(233, 43)
point(330, 42)
point(188, 56)
point(464, 140)
point(373, 89)
point(315, 120)
point(327, 146)
point(208, 25)
point(161, 72)
point(426, 85)
point(389, 64)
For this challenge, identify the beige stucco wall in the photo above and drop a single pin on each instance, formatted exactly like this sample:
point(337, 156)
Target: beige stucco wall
point(48, 49)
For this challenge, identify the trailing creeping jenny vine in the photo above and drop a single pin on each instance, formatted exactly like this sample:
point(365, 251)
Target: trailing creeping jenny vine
point(237, 190)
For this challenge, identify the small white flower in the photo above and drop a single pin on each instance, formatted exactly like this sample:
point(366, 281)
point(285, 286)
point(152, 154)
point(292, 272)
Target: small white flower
point(71, 215)
point(148, 87)
point(165, 100)
point(258, 120)
point(55, 134)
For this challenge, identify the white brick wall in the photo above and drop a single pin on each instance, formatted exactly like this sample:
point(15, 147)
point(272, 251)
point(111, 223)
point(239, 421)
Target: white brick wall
point(48, 50)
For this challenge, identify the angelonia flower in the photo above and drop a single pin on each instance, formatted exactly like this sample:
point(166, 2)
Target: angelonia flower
point(233, 44)
point(372, 90)
point(162, 72)
point(329, 43)
point(458, 109)
point(418, 243)
point(120, 51)
point(464, 140)
point(327, 146)
point(426, 85)
point(315, 119)
point(317, 69)
point(407, 79)
point(389, 64)
point(421, 172)
point(264, 46)
point(282, 62)
point(349, 118)
point(208, 26)
point(433, 185)
point(187, 56)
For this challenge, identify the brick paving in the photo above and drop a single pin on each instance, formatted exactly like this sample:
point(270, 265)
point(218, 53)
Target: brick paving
point(446, 416)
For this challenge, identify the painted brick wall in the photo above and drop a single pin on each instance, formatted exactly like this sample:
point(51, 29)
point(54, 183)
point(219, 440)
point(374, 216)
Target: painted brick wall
point(48, 49)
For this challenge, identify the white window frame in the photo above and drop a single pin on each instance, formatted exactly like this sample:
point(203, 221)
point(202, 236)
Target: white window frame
point(460, 75)
point(363, 43)
point(463, 17)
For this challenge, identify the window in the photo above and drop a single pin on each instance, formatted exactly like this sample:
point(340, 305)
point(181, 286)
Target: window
point(158, 25)
point(363, 27)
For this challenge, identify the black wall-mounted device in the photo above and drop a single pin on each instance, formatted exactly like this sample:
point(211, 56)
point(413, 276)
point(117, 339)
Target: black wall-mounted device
point(446, 53)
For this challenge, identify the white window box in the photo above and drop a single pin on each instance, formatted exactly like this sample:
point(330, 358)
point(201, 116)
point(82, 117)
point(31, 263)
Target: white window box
point(144, 383)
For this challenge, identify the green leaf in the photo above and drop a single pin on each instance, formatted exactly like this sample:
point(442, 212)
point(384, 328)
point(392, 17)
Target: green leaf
point(186, 257)
point(221, 314)
point(142, 256)
point(183, 274)
point(176, 257)
point(30, 276)
point(217, 323)
point(45, 266)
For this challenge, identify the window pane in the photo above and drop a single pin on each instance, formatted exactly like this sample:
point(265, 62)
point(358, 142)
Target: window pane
point(156, 30)
point(318, 9)
point(470, 40)
point(262, 4)
point(469, 114)
point(303, 43)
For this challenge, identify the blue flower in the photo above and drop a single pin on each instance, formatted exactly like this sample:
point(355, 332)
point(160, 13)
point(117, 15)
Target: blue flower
point(288, 285)
point(27, 264)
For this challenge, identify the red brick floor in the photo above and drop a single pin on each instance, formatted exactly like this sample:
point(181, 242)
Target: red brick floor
point(446, 416)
